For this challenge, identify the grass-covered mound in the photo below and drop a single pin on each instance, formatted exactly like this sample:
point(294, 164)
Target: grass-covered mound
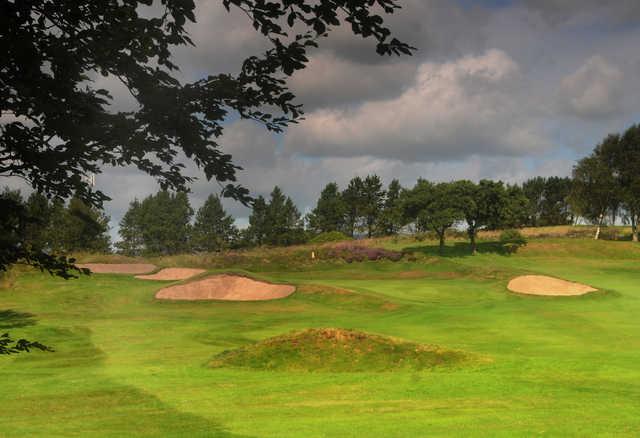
point(336, 350)
point(329, 236)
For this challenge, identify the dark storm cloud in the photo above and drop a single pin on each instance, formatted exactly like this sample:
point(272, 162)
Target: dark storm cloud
point(586, 11)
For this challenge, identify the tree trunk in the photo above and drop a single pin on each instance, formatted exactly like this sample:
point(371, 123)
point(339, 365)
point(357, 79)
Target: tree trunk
point(634, 228)
point(474, 247)
point(441, 248)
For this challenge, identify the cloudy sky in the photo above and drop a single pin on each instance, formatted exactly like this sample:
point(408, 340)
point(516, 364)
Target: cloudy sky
point(498, 89)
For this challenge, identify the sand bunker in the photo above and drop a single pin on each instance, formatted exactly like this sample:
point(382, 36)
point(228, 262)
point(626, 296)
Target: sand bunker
point(543, 285)
point(168, 274)
point(226, 287)
point(118, 268)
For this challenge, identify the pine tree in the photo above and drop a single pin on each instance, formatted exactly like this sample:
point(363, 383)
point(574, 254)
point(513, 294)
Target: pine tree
point(131, 233)
point(371, 202)
point(391, 217)
point(86, 228)
point(256, 232)
point(39, 213)
point(352, 197)
point(328, 215)
point(276, 220)
point(214, 229)
point(56, 235)
point(165, 222)
point(283, 225)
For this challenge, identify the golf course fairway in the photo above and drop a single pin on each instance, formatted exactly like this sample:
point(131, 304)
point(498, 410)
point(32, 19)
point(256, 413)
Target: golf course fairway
point(126, 364)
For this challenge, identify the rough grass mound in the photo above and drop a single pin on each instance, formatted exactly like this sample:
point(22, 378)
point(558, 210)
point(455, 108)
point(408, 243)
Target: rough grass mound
point(330, 236)
point(118, 268)
point(336, 350)
point(354, 252)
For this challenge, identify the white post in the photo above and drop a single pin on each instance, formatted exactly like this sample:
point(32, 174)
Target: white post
point(598, 228)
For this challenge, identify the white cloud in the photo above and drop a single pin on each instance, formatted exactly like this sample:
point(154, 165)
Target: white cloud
point(594, 90)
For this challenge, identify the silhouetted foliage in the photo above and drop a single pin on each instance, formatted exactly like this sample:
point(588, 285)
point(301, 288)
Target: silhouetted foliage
point(9, 346)
point(61, 128)
point(18, 226)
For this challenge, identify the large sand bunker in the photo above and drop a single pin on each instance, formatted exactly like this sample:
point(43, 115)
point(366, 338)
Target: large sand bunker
point(226, 287)
point(543, 285)
point(168, 274)
point(118, 268)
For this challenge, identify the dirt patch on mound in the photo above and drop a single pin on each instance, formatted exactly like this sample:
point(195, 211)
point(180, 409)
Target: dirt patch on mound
point(226, 287)
point(412, 274)
point(337, 350)
point(168, 274)
point(543, 285)
point(118, 268)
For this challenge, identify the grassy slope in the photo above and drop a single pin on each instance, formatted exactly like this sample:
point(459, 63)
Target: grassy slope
point(126, 364)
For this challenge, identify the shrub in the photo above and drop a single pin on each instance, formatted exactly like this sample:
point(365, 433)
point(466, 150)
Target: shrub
point(512, 240)
point(357, 253)
point(330, 236)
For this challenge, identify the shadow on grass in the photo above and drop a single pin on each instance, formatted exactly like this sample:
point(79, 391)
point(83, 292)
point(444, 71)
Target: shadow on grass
point(11, 319)
point(93, 404)
point(459, 249)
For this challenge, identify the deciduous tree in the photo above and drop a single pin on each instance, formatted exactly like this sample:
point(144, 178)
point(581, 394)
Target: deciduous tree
point(482, 205)
point(61, 127)
point(622, 156)
point(438, 210)
point(593, 190)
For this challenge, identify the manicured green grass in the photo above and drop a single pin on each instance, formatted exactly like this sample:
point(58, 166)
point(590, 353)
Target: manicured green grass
point(127, 365)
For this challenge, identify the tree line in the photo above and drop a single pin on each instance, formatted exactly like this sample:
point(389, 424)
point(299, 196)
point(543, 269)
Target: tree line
point(606, 184)
point(163, 223)
point(55, 226)
point(604, 187)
